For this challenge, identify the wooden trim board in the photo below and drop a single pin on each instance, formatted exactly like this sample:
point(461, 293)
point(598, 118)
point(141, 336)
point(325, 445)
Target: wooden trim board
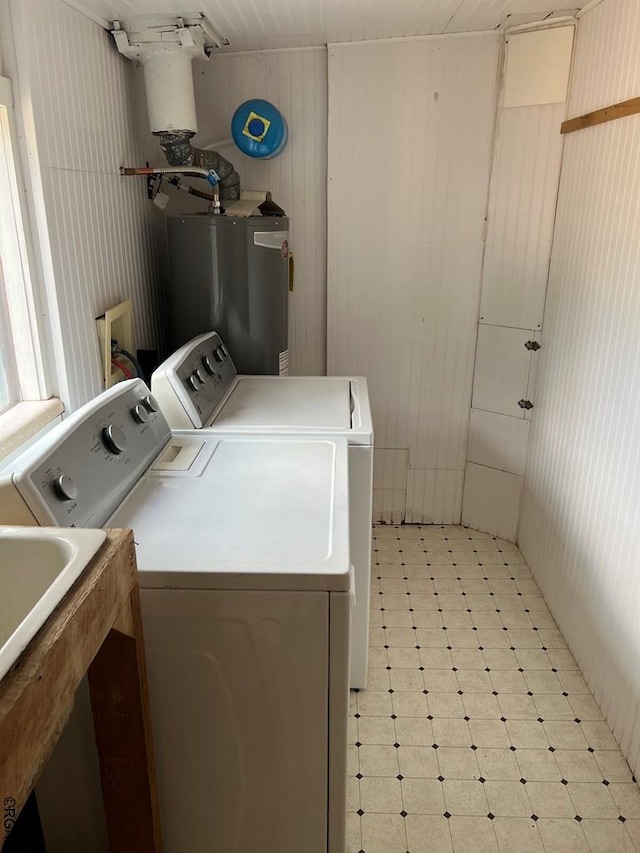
point(121, 715)
point(616, 111)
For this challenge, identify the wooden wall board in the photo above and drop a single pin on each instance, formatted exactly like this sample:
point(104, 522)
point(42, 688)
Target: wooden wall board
point(615, 111)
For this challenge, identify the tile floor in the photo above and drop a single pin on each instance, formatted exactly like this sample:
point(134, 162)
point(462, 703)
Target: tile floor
point(476, 733)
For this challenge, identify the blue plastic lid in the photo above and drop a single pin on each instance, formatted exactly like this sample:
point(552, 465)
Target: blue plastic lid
point(259, 129)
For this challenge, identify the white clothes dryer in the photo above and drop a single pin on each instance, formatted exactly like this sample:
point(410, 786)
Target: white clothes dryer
point(243, 556)
point(198, 388)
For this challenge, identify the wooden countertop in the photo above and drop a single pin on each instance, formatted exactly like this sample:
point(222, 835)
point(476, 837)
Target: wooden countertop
point(96, 629)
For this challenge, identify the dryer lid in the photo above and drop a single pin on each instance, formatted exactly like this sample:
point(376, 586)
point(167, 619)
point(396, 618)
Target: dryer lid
point(305, 403)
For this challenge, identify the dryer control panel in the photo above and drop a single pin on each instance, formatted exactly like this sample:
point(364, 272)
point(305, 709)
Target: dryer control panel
point(191, 384)
point(79, 473)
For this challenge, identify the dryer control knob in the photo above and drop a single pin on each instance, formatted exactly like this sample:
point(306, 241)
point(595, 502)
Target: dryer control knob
point(140, 414)
point(114, 439)
point(150, 403)
point(198, 374)
point(66, 488)
point(208, 365)
point(193, 383)
point(216, 354)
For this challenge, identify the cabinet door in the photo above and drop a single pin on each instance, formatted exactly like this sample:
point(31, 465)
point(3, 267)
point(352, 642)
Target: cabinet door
point(502, 370)
point(238, 684)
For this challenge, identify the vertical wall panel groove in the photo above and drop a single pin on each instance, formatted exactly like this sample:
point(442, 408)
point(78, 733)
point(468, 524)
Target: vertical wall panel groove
point(410, 132)
point(580, 528)
point(100, 226)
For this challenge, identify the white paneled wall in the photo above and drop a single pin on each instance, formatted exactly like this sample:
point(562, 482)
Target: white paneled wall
point(390, 469)
point(410, 135)
point(580, 526)
point(94, 229)
point(524, 188)
point(296, 82)
point(522, 204)
point(498, 441)
point(605, 67)
point(492, 500)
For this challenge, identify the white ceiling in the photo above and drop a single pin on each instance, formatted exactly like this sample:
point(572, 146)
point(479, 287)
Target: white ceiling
point(260, 24)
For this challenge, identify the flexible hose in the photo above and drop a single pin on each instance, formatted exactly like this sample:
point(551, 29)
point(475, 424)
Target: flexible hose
point(196, 171)
point(176, 182)
point(181, 153)
point(118, 350)
point(124, 370)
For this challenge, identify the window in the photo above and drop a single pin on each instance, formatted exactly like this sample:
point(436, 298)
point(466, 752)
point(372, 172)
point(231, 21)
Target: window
point(9, 388)
point(21, 369)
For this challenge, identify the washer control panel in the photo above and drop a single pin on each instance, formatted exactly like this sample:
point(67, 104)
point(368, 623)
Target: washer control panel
point(193, 381)
point(79, 473)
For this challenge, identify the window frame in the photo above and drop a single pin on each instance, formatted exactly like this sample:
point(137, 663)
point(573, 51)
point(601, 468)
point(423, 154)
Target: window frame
point(19, 294)
point(8, 369)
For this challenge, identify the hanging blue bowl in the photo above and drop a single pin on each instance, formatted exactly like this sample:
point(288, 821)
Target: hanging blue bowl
point(259, 129)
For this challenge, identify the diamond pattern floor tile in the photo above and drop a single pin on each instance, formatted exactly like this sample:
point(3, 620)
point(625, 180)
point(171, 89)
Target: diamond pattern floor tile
point(477, 731)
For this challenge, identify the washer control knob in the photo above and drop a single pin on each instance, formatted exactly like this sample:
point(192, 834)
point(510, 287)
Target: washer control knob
point(193, 383)
point(140, 414)
point(66, 488)
point(198, 374)
point(208, 365)
point(114, 439)
point(217, 355)
point(150, 403)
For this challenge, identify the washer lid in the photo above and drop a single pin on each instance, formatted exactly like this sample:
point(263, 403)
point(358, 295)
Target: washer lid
point(296, 402)
point(250, 512)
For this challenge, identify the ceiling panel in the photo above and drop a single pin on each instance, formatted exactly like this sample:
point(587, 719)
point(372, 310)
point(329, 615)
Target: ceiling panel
point(480, 15)
point(259, 24)
point(491, 14)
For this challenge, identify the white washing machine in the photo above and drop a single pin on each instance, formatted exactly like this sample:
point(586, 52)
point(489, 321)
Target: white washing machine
point(198, 388)
point(243, 556)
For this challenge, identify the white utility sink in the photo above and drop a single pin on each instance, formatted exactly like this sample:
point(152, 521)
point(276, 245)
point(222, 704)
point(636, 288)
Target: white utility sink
point(38, 566)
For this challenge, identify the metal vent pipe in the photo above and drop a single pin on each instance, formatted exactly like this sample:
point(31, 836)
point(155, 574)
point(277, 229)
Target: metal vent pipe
point(166, 48)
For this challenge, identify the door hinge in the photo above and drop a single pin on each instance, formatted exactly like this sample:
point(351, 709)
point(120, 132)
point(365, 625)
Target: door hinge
point(525, 404)
point(532, 345)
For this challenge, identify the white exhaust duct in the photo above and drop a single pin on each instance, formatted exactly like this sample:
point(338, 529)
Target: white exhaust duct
point(169, 87)
point(165, 46)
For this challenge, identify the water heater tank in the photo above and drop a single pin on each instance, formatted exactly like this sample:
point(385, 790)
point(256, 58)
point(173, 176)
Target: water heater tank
point(231, 274)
